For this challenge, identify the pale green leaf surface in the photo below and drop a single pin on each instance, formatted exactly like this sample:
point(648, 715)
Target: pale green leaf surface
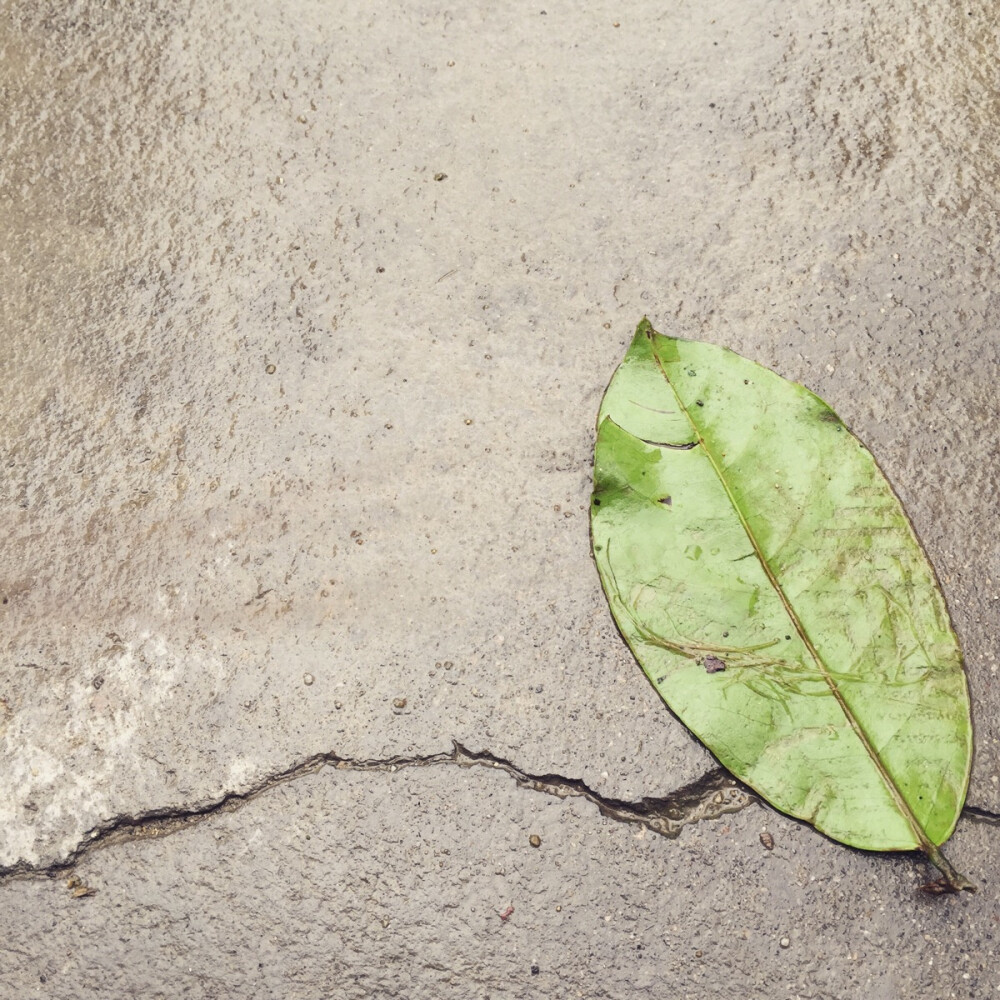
point(736, 521)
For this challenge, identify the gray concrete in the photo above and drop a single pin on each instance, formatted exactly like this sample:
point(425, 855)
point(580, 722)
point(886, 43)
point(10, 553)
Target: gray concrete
point(307, 311)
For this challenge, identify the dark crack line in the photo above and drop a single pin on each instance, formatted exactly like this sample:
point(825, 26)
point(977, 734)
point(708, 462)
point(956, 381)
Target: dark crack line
point(162, 822)
point(713, 794)
point(976, 814)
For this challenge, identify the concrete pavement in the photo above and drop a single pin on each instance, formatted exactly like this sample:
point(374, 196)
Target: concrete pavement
point(307, 313)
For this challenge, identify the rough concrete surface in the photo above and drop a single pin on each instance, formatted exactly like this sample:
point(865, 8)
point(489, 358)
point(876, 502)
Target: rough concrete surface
point(307, 310)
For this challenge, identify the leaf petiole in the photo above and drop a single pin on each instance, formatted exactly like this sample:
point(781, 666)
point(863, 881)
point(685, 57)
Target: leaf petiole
point(954, 880)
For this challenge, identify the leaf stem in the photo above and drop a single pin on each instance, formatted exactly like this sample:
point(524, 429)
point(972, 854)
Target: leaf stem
point(956, 881)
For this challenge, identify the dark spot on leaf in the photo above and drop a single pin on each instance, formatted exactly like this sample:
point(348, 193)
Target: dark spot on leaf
point(829, 417)
point(660, 680)
point(713, 665)
point(698, 402)
point(746, 381)
point(667, 501)
point(597, 501)
point(788, 637)
point(691, 371)
point(725, 635)
point(684, 446)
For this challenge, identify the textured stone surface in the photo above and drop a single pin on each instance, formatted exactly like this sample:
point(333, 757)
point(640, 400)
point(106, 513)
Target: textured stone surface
point(379, 885)
point(307, 311)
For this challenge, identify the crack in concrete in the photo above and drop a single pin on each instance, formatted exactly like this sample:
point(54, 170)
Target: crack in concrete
point(713, 794)
point(977, 814)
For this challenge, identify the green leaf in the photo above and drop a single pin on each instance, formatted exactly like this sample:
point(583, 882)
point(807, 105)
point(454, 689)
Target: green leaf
point(768, 581)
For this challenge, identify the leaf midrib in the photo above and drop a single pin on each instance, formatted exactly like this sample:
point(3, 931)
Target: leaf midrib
point(901, 804)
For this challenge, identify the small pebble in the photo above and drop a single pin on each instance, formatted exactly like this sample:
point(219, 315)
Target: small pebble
point(784, 942)
point(535, 840)
point(307, 679)
point(767, 840)
point(399, 703)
